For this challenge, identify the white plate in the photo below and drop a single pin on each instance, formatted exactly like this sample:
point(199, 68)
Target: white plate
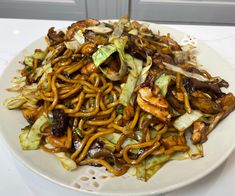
point(173, 175)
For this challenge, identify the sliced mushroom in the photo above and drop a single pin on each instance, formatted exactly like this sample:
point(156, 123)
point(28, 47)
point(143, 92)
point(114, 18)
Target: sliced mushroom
point(98, 39)
point(175, 103)
point(204, 103)
point(199, 134)
point(169, 41)
point(228, 105)
point(154, 103)
point(100, 29)
point(211, 88)
point(55, 37)
point(173, 141)
point(80, 25)
point(179, 95)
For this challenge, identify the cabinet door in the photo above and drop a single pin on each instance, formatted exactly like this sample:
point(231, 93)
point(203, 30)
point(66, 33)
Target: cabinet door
point(43, 9)
point(107, 9)
point(188, 11)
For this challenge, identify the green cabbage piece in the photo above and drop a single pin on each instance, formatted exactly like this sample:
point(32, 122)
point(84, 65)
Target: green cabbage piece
point(103, 53)
point(66, 162)
point(134, 73)
point(107, 144)
point(144, 71)
point(28, 60)
point(30, 138)
point(114, 137)
point(76, 42)
point(186, 120)
point(14, 102)
point(163, 82)
point(39, 55)
point(147, 168)
point(78, 35)
point(72, 45)
point(41, 70)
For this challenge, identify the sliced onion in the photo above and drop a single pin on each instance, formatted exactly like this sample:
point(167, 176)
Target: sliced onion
point(185, 73)
point(100, 29)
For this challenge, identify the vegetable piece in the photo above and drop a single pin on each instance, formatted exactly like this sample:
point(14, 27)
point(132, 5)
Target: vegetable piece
point(128, 88)
point(39, 54)
point(55, 37)
point(114, 137)
point(203, 103)
point(228, 105)
point(147, 168)
point(163, 82)
point(107, 144)
point(133, 32)
point(41, 70)
point(119, 109)
point(186, 120)
point(211, 88)
point(102, 54)
point(80, 25)
point(67, 163)
point(78, 35)
point(154, 103)
point(18, 80)
point(118, 29)
point(30, 138)
point(185, 73)
point(72, 45)
point(76, 42)
point(144, 71)
point(14, 102)
point(59, 123)
point(28, 60)
point(198, 132)
point(181, 56)
point(115, 76)
point(101, 29)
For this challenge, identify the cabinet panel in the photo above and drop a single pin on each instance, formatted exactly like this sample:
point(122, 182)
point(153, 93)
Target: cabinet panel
point(107, 9)
point(184, 11)
point(43, 9)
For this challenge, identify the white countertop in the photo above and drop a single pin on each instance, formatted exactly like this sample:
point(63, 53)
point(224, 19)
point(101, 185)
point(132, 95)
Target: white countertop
point(15, 179)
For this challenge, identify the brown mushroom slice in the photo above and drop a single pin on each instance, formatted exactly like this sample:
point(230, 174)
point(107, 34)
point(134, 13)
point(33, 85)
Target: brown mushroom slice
point(169, 41)
point(175, 103)
point(203, 103)
point(199, 133)
point(79, 26)
point(228, 105)
point(153, 97)
point(55, 37)
point(154, 103)
point(98, 39)
point(171, 141)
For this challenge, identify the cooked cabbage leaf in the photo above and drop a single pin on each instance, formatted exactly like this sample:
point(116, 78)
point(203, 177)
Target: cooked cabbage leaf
point(14, 102)
point(163, 82)
point(67, 163)
point(103, 53)
point(186, 120)
point(30, 138)
point(134, 73)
